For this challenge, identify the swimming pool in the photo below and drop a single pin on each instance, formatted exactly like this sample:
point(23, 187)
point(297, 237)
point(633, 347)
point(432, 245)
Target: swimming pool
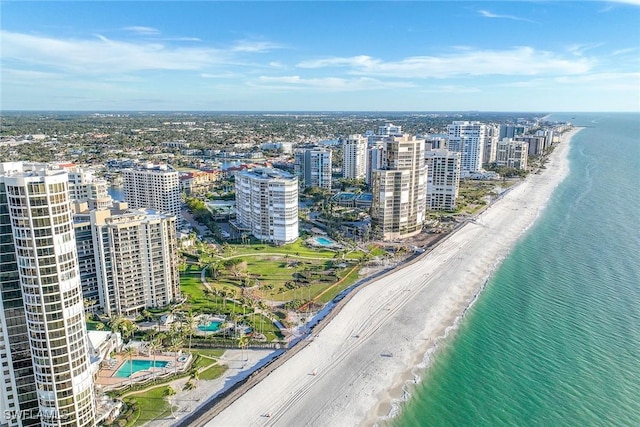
point(211, 327)
point(324, 241)
point(130, 367)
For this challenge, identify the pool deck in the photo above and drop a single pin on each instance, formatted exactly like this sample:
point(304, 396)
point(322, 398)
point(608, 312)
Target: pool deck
point(313, 241)
point(106, 375)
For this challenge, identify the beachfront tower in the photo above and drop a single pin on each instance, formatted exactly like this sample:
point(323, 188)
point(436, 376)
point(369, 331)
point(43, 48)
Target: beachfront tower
point(37, 199)
point(129, 259)
point(400, 188)
point(443, 180)
point(267, 204)
point(512, 154)
point(85, 187)
point(374, 161)
point(468, 139)
point(354, 163)
point(153, 186)
point(313, 167)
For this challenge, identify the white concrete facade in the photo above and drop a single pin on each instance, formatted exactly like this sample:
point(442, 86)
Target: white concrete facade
point(468, 139)
point(512, 154)
point(354, 161)
point(153, 186)
point(398, 208)
point(443, 180)
point(43, 238)
point(267, 204)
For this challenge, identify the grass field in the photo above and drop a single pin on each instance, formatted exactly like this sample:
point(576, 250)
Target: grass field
point(152, 405)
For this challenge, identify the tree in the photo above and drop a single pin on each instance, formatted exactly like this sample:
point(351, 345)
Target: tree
point(169, 391)
point(191, 323)
point(243, 343)
point(130, 352)
point(153, 346)
point(100, 326)
point(195, 374)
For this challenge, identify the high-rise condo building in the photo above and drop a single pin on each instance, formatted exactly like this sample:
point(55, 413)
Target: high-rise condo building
point(37, 200)
point(313, 167)
point(468, 139)
point(267, 204)
point(400, 188)
point(490, 144)
point(374, 161)
point(153, 186)
point(354, 162)
point(443, 180)
point(512, 154)
point(17, 388)
point(389, 130)
point(511, 131)
point(129, 259)
point(537, 143)
point(85, 187)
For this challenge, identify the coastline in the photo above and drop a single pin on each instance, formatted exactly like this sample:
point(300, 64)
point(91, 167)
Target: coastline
point(357, 370)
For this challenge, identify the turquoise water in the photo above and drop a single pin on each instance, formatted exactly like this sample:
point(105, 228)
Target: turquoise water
point(130, 367)
point(555, 338)
point(211, 327)
point(324, 241)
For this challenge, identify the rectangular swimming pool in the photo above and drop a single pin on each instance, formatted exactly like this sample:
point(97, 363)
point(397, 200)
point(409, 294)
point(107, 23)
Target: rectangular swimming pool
point(130, 367)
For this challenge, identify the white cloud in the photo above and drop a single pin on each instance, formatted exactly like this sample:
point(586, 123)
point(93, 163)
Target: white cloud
point(14, 74)
point(516, 61)
point(255, 46)
point(102, 55)
point(218, 76)
point(580, 49)
point(451, 89)
point(623, 51)
point(626, 82)
point(488, 14)
point(328, 83)
point(147, 31)
point(632, 2)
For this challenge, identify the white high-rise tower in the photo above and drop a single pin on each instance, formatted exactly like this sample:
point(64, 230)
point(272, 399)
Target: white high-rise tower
point(354, 162)
point(468, 139)
point(399, 206)
point(45, 252)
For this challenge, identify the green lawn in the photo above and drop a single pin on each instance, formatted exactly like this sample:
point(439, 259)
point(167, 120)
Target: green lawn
point(152, 405)
point(213, 372)
point(209, 352)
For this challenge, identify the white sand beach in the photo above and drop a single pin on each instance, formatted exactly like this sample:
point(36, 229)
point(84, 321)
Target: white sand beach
point(356, 368)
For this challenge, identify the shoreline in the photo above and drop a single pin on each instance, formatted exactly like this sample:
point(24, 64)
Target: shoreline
point(391, 401)
point(356, 371)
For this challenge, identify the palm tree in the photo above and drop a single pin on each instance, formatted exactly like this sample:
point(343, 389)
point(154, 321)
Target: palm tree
point(243, 343)
point(115, 322)
point(207, 294)
point(195, 374)
point(154, 345)
point(169, 391)
point(191, 324)
point(130, 352)
point(174, 347)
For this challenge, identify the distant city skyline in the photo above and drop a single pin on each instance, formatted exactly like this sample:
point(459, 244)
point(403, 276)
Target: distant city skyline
point(320, 56)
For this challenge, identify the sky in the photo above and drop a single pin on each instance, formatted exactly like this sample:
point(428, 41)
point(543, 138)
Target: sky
point(320, 56)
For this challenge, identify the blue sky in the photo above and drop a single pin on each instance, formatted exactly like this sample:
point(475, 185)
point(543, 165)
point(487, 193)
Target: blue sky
point(320, 56)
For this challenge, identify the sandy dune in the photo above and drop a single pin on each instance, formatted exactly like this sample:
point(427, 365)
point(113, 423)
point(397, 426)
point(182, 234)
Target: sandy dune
point(357, 366)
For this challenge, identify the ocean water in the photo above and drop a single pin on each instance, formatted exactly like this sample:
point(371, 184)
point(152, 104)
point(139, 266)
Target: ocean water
point(554, 340)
